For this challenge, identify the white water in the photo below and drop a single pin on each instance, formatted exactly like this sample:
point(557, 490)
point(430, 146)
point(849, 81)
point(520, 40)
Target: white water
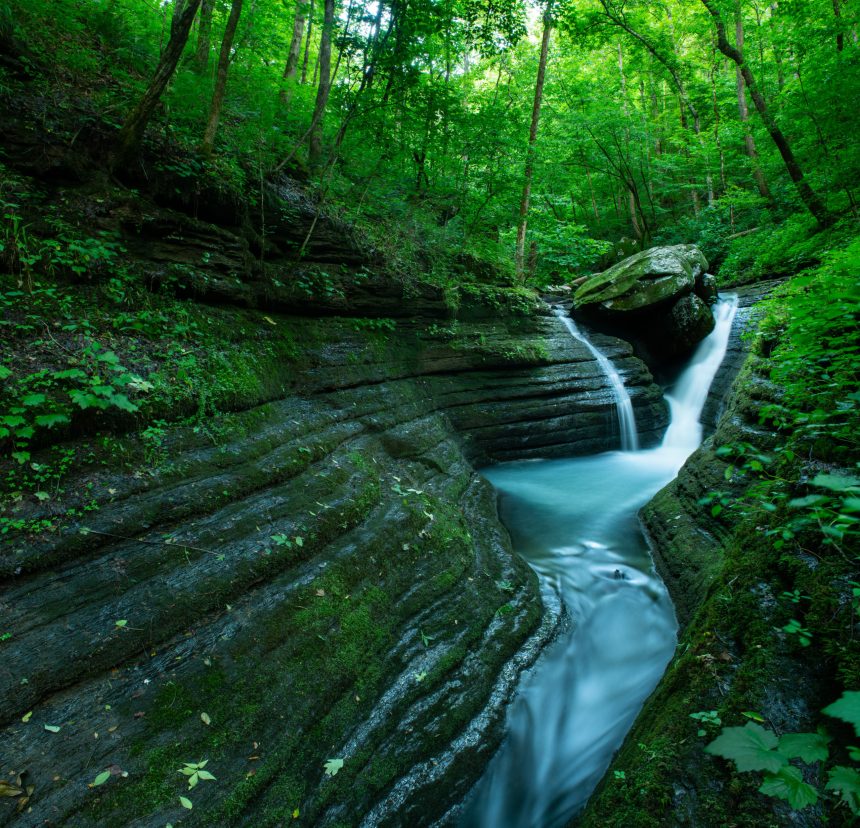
point(626, 420)
point(575, 522)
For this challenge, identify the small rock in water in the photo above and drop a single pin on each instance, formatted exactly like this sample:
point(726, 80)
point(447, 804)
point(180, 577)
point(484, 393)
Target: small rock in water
point(619, 575)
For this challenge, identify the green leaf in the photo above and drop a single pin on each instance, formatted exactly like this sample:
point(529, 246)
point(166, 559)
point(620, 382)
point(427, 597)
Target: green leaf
point(837, 482)
point(809, 500)
point(52, 728)
point(205, 775)
point(847, 708)
point(810, 747)
point(332, 766)
point(788, 784)
point(32, 400)
point(100, 779)
point(185, 802)
point(86, 400)
point(750, 747)
point(108, 357)
point(70, 373)
point(5, 373)
point(123, 402)
point(847, 782)
point(50, 420)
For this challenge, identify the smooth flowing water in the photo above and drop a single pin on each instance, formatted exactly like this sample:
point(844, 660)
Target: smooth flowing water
point(626, 420)
point(575, 522)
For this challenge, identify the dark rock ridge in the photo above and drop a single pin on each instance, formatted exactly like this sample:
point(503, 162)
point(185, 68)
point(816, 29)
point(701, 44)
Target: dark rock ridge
point(658, 298)
point(321, 573)
point(745, 321)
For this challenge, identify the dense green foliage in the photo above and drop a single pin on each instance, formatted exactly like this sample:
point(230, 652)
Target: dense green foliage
point(425, 129)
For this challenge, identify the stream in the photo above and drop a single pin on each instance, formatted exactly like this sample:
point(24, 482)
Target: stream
point(575, 522)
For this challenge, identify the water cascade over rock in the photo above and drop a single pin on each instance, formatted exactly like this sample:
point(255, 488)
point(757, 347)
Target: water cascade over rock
point(575, 522)
point(626, 418)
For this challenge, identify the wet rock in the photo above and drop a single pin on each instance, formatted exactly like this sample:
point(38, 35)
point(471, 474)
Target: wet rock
point(690, 320)
point(649, 300)
point(705, 288)
point(317, 572)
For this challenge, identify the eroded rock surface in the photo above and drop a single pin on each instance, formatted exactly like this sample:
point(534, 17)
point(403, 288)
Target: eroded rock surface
point(321, 573)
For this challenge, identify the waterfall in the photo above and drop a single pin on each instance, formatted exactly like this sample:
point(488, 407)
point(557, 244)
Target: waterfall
point(575, 523)
point(626, 419)
point(688, 397)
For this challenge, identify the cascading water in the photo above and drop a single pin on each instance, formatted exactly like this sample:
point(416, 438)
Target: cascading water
point(575, 522)
point(626, 420)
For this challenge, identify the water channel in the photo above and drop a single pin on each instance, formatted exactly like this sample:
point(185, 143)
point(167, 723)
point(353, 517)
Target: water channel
point(575, 522)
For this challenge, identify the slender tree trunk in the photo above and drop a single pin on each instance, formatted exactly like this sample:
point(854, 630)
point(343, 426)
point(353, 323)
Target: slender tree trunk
point(631, 200)
point(131, 134)
point(308, 42)
point(208, 143)
point(315, 143)
point(292, 66)
point(591, 193)
point(530, 152)
point(840, 37)
point(204, 33)
point(811, 200)
point(749, 141)
point(717, 140)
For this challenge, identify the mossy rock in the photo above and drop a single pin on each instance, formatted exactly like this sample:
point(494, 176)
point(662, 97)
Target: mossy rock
point(644, 279)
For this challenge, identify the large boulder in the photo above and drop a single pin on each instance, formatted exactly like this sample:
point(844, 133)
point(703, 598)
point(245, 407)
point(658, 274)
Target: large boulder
point(657, 299)
point(647, 278)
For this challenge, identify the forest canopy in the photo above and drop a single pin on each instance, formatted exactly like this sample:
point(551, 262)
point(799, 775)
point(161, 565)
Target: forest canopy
point(461, 125)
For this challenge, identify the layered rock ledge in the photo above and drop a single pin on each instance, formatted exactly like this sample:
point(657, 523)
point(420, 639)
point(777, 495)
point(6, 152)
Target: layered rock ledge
point(318, 574)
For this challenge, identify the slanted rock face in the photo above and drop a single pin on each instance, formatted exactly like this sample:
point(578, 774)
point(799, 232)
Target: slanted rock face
point(644, 279)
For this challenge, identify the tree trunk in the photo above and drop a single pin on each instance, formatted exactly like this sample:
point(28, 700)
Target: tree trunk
point(840, 37)
point(208, 143)
point(308, 42)
point(178, 6)
point(315, 144)
point(291, 68)
point(530, 152)
point(204, 32)
point(591, 193)
point(131, 134)
point(808, 196)
point(749, 141)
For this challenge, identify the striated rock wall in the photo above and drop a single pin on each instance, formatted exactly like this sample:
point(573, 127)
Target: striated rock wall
point(319, 574)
